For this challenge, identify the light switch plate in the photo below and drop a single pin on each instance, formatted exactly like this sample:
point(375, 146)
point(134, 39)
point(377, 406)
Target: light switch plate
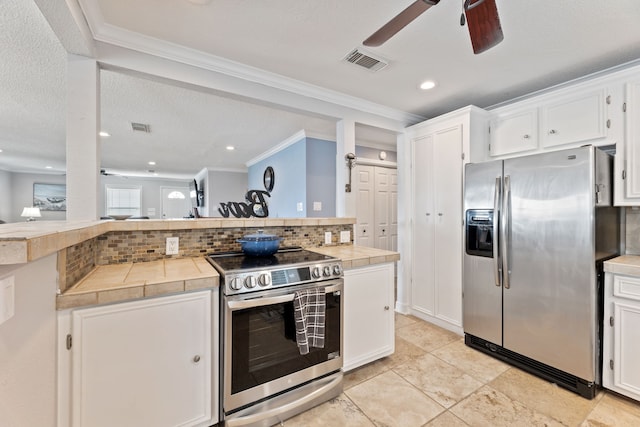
point(173, 245)
point(7, 298)
point(345, 236)
point(327, 237)
point(299, 207)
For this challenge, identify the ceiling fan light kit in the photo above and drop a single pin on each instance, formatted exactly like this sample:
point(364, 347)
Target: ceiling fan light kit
point(481, 17)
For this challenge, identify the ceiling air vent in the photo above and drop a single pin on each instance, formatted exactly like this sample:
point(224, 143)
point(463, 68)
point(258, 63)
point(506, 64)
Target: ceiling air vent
point(141, 127)
point(366, 60)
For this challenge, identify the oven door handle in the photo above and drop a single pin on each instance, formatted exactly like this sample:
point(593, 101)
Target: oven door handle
point(262, 301)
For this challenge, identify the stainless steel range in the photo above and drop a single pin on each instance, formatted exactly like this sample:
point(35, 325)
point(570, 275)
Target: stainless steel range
point(264, 377)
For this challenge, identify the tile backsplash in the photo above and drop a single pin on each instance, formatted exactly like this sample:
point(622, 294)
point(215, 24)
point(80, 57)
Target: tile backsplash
point(633, 231)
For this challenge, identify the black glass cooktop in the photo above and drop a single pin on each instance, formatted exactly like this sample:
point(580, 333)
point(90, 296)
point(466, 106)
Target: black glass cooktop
point(233, 261)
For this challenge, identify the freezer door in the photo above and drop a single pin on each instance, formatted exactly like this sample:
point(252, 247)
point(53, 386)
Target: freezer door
point(550, 295)
point(482, 291)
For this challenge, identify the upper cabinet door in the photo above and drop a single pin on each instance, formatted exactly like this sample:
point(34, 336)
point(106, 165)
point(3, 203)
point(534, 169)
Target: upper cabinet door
point(577, 118)
point(631, 154)
point(514, 133)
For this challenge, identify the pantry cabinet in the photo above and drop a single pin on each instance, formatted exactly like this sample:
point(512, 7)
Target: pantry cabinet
point(368, 314)
point(439, 149)
point(621, 371)
point(144, 362)
point(377, 207)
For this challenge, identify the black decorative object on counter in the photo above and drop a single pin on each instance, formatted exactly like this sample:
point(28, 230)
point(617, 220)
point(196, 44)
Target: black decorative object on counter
point(255, 205)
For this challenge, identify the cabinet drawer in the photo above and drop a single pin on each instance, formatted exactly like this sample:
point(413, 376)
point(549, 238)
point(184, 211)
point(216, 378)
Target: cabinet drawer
point(626, 287)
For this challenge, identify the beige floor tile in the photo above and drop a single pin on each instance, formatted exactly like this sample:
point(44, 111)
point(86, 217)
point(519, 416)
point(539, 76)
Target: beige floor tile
point(482, 367)
point(337, 412)
point(544, 397)
point(404, 320)
point(441, 381)
point(390, 401)
point(488, 407)
point(426, 336)
point(614, 411)
point(404, 351)
point(446, 419)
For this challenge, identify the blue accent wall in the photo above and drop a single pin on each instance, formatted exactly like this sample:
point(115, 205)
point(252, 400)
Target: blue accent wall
point(321, 177)
point(305, 172)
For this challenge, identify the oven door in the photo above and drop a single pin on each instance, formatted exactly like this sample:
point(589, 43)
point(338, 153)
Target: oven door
point(260, 354)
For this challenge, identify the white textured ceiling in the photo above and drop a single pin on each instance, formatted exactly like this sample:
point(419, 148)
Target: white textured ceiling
point(546, 42)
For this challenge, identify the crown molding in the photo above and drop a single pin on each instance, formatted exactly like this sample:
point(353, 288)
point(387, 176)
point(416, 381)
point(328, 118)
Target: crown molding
point(296, 137)
point(114, 35)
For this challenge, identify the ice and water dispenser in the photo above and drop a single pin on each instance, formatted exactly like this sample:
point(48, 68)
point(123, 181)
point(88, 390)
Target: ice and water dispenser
point(479, 232)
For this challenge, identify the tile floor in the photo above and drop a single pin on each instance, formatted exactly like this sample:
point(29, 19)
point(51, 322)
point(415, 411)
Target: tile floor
point(434, 380)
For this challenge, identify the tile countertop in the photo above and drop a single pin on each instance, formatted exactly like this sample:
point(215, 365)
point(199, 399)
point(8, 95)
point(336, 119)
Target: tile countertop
point(353, 256)
point(122, 282)
point(22, 242)
point(625, 264)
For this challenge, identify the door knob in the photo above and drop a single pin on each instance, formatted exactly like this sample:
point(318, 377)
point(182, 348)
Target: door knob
point(196, 358)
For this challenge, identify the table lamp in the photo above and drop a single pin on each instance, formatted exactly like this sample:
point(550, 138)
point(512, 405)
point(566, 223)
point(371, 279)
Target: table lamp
point(31, 213)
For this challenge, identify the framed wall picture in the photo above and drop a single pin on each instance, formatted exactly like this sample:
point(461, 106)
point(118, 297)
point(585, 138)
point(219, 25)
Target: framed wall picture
point(50, 197)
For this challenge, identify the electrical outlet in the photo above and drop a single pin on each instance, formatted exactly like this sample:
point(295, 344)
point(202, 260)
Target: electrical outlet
point(172, 245)
point(317, 206)
point(345, 236)
point(327, 237)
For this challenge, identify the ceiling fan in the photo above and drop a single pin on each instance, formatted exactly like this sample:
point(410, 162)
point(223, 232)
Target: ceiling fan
point(481, 17)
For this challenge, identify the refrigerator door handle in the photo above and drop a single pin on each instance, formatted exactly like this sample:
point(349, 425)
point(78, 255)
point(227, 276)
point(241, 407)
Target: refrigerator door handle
point(497, 267)
point(505, 227)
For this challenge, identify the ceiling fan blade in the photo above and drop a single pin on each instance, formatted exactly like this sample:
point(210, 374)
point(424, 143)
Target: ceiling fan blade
point(400, 21)
point(483, 23)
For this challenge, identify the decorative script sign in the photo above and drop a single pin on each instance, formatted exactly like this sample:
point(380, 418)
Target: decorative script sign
point(256, 205)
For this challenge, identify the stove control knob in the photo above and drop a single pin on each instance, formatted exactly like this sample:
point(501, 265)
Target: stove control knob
point(316, 272)
point(250, 282)
point(264, 279)
point(326, 271)
point(235, 284)
point(337, 270)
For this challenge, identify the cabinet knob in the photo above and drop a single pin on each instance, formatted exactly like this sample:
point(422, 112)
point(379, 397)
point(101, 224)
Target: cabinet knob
point(553, 132)
point(386, 307)
point(526, 136)
point(439, 213)
point(384, 231)
point(196, 358)
point(428, 213)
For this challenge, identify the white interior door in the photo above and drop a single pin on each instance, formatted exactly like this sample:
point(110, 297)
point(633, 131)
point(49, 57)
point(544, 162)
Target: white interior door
point(381, 215)
point(365, 206)
point(175, 202)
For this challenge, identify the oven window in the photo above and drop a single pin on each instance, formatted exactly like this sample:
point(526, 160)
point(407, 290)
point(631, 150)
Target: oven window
point(264, 343)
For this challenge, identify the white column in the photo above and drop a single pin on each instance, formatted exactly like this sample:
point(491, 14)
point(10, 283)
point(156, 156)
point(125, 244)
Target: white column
point(83, 144)
point(403, 302)
point(345, 143)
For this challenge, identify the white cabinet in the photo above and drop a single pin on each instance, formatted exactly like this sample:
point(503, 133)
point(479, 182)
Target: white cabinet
point(514, 133)
point(145, 362)
point(368, 314)
point(438, 149)
point(627, 177)
point(575, 118)
point(621, 347)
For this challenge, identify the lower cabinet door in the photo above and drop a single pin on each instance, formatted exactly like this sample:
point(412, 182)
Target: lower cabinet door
point(623, 373)
point(368, 314)
point(143, 363)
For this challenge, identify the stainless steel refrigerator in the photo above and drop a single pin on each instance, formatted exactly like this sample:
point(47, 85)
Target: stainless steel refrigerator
point(537, 229)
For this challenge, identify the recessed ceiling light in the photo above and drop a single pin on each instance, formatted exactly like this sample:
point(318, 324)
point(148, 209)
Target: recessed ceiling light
point(152, 163)
point(230, 147)
point(48, 167)
point(429, 84)
point(0, 150)
point(104, 134)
